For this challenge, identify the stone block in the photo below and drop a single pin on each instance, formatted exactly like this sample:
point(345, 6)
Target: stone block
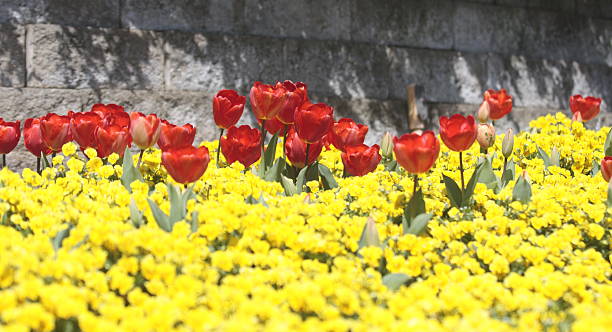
point(12, 55)
point(311, 19)
point(97, 13)
point(211, 62)
point(554, 5)
point(411, 23)
point(66, 57)
point(348, 70)
point(594, 8)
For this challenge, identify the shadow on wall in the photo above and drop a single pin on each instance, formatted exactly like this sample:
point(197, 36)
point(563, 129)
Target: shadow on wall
point(12, 55)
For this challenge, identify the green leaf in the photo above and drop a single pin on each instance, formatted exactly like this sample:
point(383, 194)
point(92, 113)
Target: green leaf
point(469, 188)
point(369, 235)
point(195, 222)
point(390, 165)
point(135, 214)
point(270, 152)
point(508, 174)
point(394, 281)
point(522, 190)
point(301, 179)
point(130, 172)
point(488, 177)
point(608, 144)
point(327, 177)
point(251, 200)
point(453, 191)
point(60, 236)
point(274, 173)
point(178, 209)
point(45, 160)
point(544, 157)
point(595, 169)
point(289, 186)
point(415, 206)
point(418, 224)
point(162, 219)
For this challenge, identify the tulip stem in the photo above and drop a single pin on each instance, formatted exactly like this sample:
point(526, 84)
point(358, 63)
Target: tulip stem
point(219, 146)
point(307, 150)
point(140, 158)
point(505, 163)
point(3, 160)
point(416, 184)
point(284, 141)
point(461, 170)
point(38, 165)
point(263, 138)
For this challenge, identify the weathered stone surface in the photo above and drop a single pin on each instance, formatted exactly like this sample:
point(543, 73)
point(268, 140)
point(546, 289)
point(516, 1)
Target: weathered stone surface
point(97, 13)
point(315, 19)
point(407, 23)
point(595, 8)
point(186, 15)
point(65, 57)
point(339, 68)
point(212, 62)
point(12, 55)
point(555, 5)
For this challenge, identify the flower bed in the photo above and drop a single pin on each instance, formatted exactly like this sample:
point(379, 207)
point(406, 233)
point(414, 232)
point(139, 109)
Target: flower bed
point(508, 234)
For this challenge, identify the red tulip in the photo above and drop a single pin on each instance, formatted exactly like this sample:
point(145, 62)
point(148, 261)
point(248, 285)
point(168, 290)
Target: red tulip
point(112, 138)
point(9, 135)
point(314, 122)
point(112, 114)
point(175, 137)
point(587, 107)
point(32, 137)
point(144, 129)
point(295, 97)
point(186, 165)
point(55, 130)
point(360, 159)
point(458, 132)
point(241, 144)
point(500, 103)
point(296, 150)
point(274, 126)
point(227, 108)
point(416, 153)
point(83, 128)
point(606, 168)
point(266, 100)
point(346, 132)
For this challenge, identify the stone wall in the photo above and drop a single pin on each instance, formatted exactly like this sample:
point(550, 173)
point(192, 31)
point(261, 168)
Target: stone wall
point(171, 56)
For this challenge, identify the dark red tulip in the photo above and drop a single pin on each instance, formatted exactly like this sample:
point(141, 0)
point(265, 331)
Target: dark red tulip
point(606, 168)
point(227, 108)
point(295, 97)
point(267, 100)
point(500, 103)
point(346, 132)
point(458, 132)
point(241, 144)
point(175, 137)
point(9, 135)
point(112, 114)
point(144, 129)
point(274, 126)
point(55, 130)
point(32, 137)
point(416, 153)
point(361, 159)
point(296, 150)
point(83, 128)
point(588, 107)
point(186, 165)
point(112, 139)
point(314, 122)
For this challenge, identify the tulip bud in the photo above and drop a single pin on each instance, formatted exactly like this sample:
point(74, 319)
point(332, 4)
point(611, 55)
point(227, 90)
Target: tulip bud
point(606, 168)
point(577, 117)
point(483, 112)
point(386, 145)
point(508, 143)
point(486, 135)
point(369, 235)
point(555, 157)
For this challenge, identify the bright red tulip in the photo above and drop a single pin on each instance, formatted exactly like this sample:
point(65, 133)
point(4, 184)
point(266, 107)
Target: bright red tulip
point(500, 103)
point(83, 128)
point(416, 153)
point(112, 114)
point(458, 132)
point(227, 108)
point(9, 135)
point(241, 144)
point(175, 137)
point(587, 107)
point(274, 126)
point(606, 168)
point(32, 137)
point(55, 130)
point(346, 132)
point(186, 165)
point(112, 138)
point(314, 122)
point(295, 97)
point(267, 100)
point(360, 159)
point(144, 129)
point(296, 150)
